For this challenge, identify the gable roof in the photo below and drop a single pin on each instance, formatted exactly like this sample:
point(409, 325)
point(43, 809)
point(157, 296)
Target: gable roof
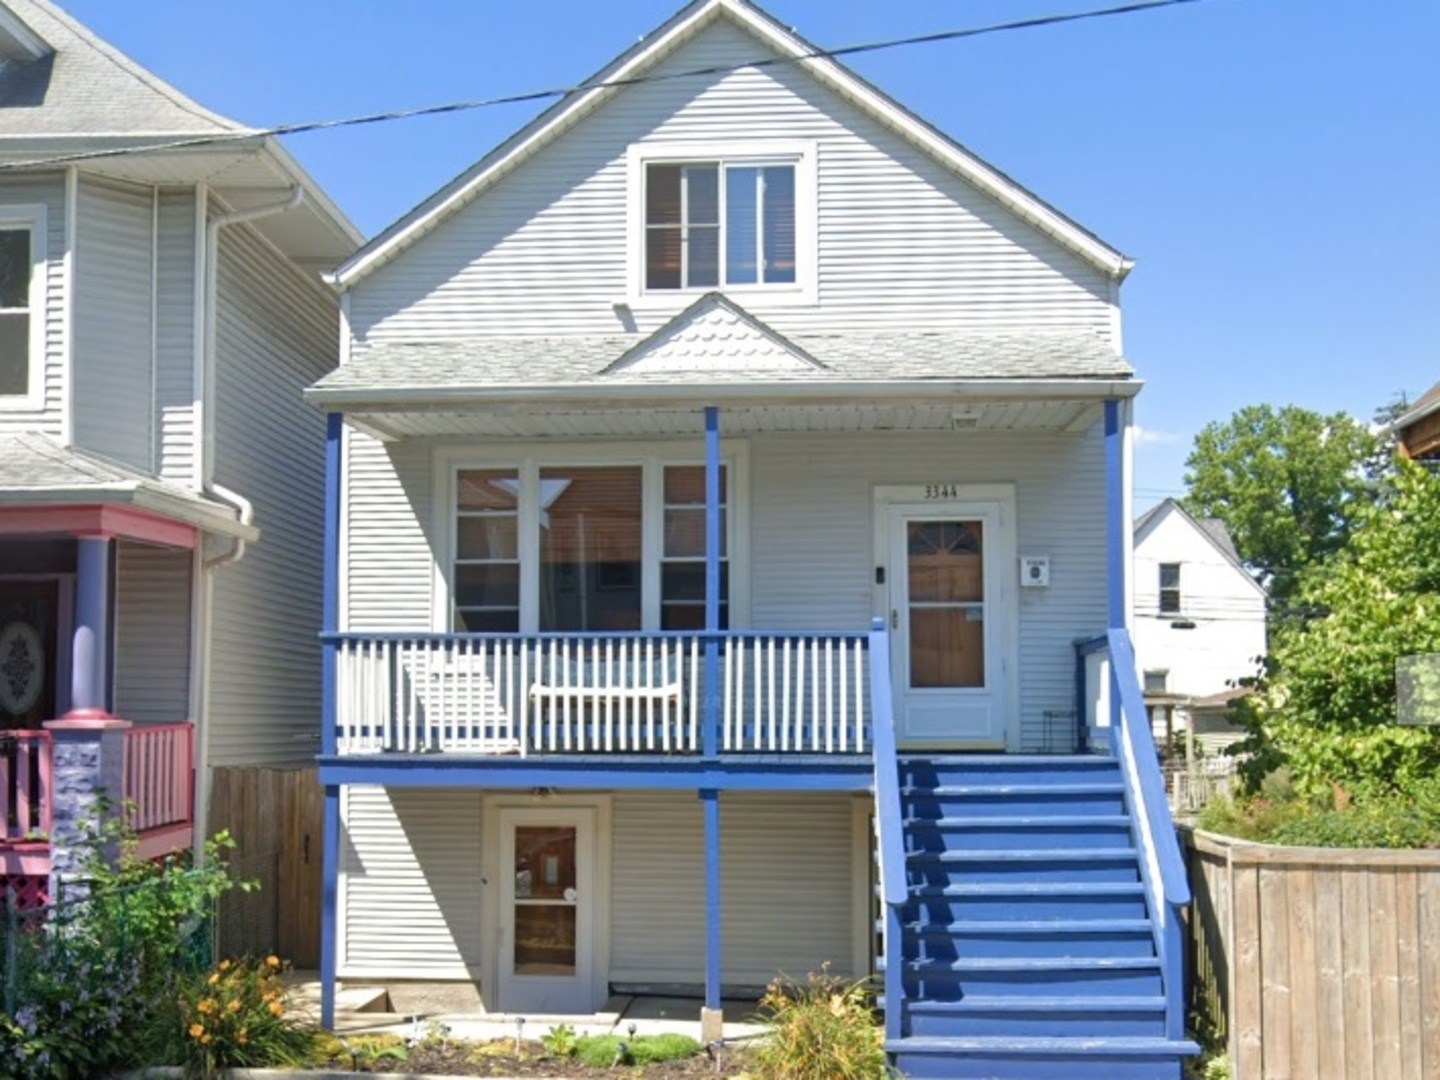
point(784, 41)
point(1212, 529)
point(82, 85)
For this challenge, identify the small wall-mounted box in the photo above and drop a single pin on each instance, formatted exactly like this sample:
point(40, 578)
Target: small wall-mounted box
point(1034, 571)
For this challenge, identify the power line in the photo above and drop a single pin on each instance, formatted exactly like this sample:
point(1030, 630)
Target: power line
point(250, 134)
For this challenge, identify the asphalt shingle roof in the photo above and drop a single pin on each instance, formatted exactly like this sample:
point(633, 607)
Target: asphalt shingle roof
point(88, 87)
point(577, 360)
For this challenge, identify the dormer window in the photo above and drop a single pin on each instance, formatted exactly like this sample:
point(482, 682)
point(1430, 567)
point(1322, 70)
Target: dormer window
point(724, 216)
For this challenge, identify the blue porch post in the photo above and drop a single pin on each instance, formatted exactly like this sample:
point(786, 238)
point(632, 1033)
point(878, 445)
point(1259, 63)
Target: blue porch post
point(1115, 525)
point(711, 1017)
point(712, 582)
point(329, 622)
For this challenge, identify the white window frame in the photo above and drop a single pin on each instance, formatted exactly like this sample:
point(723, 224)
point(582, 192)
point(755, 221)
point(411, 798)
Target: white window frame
point(31, 216)
point(760, 295)
point(651, 458)
point(1161, 589)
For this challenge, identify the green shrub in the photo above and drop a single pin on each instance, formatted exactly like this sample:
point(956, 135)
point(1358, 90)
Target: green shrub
point(1374, 821)
point(236, 1015)
point(560, 1041)
point(822, 1030)
point(604, 1051)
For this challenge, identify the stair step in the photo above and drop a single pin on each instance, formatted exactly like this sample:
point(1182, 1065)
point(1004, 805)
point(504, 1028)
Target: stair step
point(982, 761)
point(1019, 976)
point(1117, 854)
point(1040, 1058)
point(1032, 1015)
point(1099, 787)
point(1053, 938)
point(1030, 926)
point(1022, 821)
point(1053, 864)
point(976, 798)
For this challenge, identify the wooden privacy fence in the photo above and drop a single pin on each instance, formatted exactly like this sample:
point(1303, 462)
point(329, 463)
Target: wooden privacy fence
point(275, 817)
point(1317, 963)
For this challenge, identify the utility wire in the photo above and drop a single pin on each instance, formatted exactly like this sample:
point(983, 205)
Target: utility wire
point(250, 134)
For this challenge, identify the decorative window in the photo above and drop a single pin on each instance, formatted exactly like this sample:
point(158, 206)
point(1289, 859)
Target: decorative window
point(21, 305)
point(610, 548)
point(1169, 588)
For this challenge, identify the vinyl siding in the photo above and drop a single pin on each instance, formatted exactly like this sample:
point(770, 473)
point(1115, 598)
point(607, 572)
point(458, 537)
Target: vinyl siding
point(786, 903)
point(48, 191)
point(410, 882)
point(275, 334)
point(786, 893)
point(113, 357)
point(811, 537)
point(903, 242)
point(387, 525)
point(175, 339)
point(152, 632)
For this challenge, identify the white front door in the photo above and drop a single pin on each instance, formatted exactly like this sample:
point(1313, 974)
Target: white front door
point(950, 593)
point(547, 931)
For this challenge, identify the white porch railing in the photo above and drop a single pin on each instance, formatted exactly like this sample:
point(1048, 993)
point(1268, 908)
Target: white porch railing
point(600, 693)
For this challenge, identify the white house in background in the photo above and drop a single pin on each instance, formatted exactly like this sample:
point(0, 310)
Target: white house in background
point(685, 453)
point(1199, 618)
point(161, 476)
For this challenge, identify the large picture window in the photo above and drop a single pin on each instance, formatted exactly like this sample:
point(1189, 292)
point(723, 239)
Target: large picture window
point(718, 223)
point(610, 548)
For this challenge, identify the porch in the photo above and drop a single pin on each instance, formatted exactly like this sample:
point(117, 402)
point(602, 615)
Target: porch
point(157, 792)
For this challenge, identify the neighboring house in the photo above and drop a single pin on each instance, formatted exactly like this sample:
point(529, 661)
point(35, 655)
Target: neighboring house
point(1199, 614)
point(1417, 430)
point(655, 433)
point(161, 476)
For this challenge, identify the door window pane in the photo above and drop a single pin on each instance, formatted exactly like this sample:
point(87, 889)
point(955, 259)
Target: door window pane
point(590, 548)
point(946, 581)
point(545, 900)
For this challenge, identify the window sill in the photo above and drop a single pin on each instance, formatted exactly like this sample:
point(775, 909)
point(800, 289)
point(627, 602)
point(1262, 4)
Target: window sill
point(750, 297)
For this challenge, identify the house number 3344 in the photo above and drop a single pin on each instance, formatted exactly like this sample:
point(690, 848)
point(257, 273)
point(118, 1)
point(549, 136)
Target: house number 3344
point(939, 491)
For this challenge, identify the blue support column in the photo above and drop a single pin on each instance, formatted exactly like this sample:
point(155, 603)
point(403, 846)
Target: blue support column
point(90, 645)
point(329, 622)
point(1115, 512)
point(710, 798)
point(710, 739)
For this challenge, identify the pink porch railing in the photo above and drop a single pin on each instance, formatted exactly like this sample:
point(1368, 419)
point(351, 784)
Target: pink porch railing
point(160, 776)
point(25, 784)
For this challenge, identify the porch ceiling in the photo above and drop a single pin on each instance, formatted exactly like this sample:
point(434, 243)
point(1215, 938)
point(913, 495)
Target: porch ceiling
point(531, 421)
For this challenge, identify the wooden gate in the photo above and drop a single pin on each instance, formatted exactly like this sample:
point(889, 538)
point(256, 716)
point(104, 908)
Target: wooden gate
point(275, 816)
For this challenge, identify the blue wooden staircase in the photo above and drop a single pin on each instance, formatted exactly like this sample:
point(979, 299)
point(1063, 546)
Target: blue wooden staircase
point(1026, 945)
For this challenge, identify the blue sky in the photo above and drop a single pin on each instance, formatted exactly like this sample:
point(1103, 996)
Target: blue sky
point(1273, 165)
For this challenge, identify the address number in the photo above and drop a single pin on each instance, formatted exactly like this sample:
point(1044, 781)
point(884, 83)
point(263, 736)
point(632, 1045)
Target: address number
point(939, 491)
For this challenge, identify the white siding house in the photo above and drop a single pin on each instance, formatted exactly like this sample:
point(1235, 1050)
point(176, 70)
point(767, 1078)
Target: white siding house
point(654, 434)
point(1199, 614)
point(160, 472)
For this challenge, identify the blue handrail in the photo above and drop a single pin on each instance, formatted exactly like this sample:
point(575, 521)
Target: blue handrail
point(888, 823)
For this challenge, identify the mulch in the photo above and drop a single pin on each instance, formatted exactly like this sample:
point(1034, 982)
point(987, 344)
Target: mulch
point(461, 1058)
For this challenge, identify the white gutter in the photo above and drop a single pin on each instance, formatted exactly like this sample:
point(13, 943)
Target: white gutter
point(401, 399)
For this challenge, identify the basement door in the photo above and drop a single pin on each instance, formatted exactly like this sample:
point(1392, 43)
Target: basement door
point(949, 598)
point(547, 931)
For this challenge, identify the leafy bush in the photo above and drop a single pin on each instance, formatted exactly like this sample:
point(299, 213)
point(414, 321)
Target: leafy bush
point(1326, 706)
point(236, 1015)
point(560, 1041)
point(1393, 821)
point(605, 1051)
point(97, 971)
point(822, 1030)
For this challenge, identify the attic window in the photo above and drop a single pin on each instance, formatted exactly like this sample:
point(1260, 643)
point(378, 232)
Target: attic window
point(712, 224)
point(1169, 588)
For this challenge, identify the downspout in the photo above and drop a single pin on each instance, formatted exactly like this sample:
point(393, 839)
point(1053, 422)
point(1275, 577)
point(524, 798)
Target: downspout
point(207, 274)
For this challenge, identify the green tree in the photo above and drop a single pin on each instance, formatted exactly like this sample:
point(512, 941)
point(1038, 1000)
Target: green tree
point(1327, 707)
point(1287, 482)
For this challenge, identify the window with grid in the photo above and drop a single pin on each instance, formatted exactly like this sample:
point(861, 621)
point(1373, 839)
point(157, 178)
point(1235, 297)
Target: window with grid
point(16, 270)
point(1169, 588)
point(682, 564)
point(719, 223)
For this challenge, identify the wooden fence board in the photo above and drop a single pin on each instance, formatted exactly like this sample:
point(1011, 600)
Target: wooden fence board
point(1318, 963)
